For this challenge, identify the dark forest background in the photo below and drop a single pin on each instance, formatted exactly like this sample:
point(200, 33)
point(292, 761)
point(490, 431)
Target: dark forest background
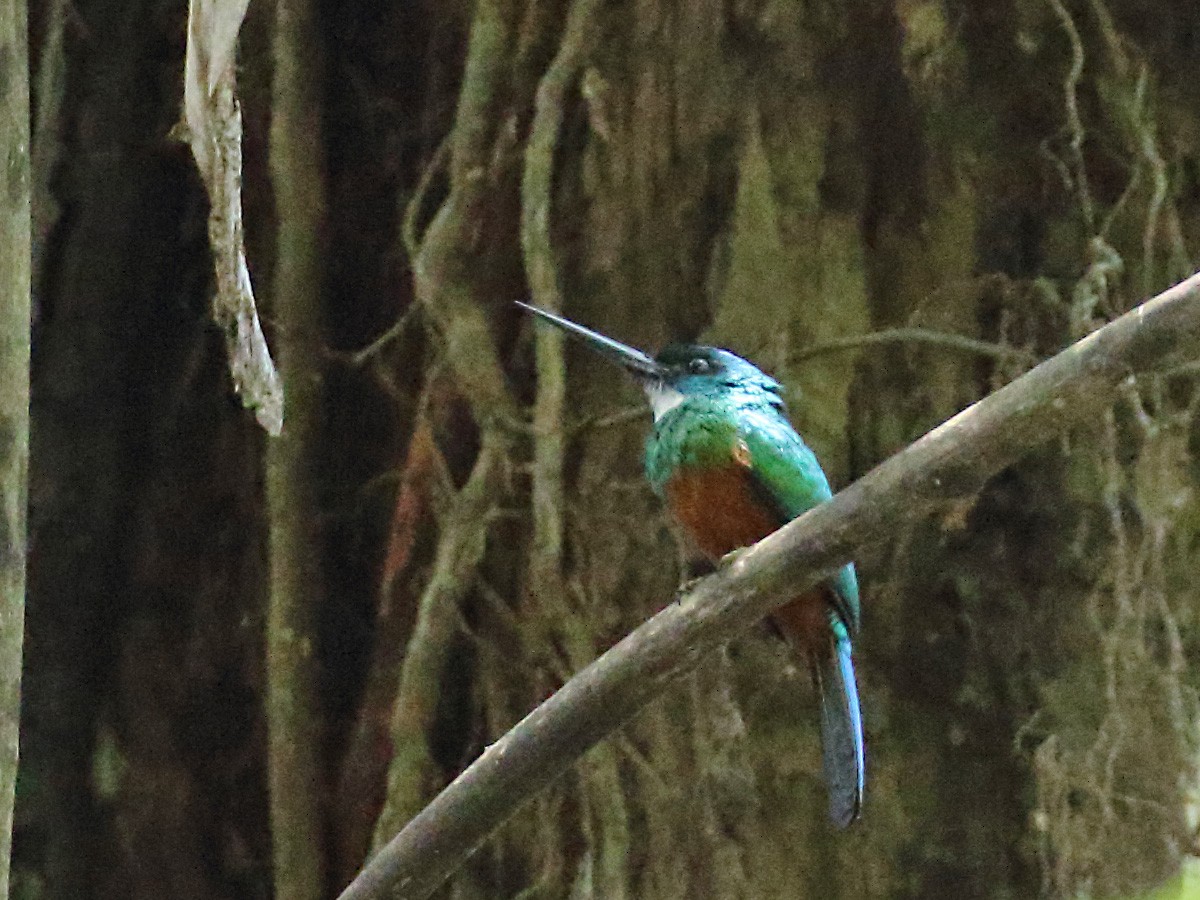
point(894, 207)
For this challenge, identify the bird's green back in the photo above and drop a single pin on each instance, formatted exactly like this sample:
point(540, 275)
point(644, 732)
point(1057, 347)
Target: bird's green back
point(716, 428)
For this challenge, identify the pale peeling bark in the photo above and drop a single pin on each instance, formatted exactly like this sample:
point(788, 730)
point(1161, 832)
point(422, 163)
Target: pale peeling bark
point(949, 463)
point(212, 123)
point(293, 712)
point(14, 396)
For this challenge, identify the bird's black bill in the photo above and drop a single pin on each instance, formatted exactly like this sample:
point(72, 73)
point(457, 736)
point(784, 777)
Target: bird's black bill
point(635, 362)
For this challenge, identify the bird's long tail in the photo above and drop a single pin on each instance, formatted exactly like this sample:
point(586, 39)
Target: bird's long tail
point(841, 730)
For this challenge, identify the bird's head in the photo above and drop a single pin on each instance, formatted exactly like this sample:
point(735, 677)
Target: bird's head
point(679, 372)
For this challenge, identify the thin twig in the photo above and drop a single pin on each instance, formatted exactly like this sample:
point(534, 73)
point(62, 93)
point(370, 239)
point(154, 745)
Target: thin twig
point(620, 417)
point(416, 204)
point(951, 462)
point(412, 246)
point(1148, 144)
point(1074, 120)
point(358, 357)
point(957, 342)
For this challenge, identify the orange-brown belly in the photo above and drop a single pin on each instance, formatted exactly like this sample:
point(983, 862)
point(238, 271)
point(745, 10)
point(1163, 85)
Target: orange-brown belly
point(720, 511)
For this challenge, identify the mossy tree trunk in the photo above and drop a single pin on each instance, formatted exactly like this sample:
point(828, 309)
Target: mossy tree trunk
point(15, 249)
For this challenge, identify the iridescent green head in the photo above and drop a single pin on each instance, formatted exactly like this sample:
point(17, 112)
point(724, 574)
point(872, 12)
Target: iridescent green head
point(678, 372)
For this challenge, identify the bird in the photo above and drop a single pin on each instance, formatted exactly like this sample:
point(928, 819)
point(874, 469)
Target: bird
point(731, 469)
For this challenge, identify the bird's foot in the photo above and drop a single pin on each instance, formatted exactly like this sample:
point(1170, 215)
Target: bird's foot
point(724, 562)
point(686, 587)
point(731, 557)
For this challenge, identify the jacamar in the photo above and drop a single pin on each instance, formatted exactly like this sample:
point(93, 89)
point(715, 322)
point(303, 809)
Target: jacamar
point(731, 469)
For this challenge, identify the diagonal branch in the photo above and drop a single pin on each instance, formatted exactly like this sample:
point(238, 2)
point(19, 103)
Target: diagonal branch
point(951, 462)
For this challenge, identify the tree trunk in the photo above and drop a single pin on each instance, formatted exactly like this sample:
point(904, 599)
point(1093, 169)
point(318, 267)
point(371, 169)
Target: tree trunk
point(295, 762)
point(15, 252)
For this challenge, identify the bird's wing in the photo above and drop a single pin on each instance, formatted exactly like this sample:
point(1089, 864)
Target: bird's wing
point(785, 474)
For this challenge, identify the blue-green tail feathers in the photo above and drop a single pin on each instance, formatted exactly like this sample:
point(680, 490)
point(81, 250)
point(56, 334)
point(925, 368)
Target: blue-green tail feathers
point(841, 734)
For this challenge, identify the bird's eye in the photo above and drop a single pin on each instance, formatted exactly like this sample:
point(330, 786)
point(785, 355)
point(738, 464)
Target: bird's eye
point(699, 366)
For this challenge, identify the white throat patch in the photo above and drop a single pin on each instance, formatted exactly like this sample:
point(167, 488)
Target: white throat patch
point(662, 398)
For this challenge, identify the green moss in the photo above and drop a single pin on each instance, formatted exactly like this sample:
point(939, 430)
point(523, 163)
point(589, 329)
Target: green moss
point(795, 276)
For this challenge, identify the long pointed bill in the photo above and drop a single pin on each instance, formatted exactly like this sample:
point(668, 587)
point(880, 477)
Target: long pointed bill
point(634, 361)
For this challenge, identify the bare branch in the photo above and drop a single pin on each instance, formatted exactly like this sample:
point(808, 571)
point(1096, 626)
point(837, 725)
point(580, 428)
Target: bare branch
point(951, 462)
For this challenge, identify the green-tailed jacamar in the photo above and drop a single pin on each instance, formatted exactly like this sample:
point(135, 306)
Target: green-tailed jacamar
point(732, 470)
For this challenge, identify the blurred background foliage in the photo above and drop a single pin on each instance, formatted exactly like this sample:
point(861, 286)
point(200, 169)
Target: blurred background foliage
point(894, 207)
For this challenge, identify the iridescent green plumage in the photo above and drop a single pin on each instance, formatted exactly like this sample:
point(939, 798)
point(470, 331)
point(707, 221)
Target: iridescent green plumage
point(735, 409)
